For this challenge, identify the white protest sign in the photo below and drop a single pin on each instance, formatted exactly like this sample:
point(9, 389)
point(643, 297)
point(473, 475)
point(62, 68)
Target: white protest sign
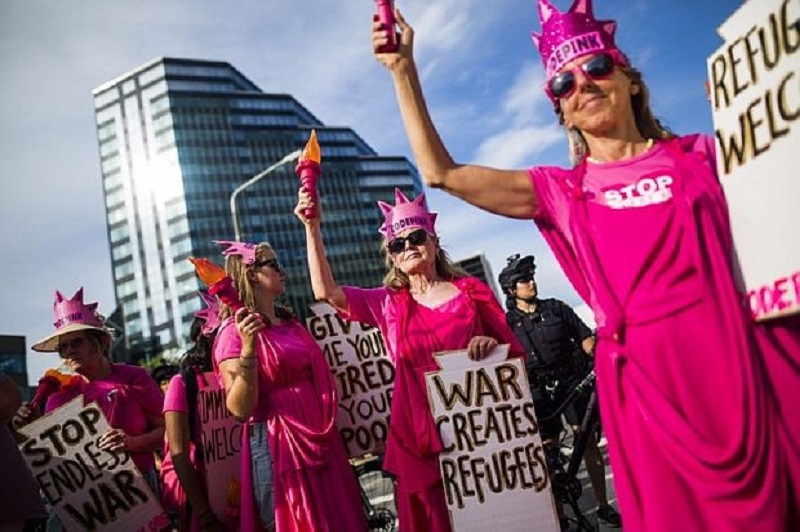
point(754, 81)
point(364, 377)
point(221, 437)
point(89, 488)
point(493, 463)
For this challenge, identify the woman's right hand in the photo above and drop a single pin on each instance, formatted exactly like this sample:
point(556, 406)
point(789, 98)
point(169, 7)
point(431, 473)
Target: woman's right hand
point(249, 324)
point(305, 200)
point(25, 414)
point(405, 42)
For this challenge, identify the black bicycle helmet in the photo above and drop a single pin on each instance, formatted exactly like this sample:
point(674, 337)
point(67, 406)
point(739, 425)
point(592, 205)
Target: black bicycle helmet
point(517, 269)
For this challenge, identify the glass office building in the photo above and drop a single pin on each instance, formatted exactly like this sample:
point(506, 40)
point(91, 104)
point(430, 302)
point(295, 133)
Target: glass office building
point(176, 137)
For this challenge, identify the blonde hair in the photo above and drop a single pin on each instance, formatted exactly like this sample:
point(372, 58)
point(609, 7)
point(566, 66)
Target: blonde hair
point(445, 267)
point(237, 270)
point(648, 125)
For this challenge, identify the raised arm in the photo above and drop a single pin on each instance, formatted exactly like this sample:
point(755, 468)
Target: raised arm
point(505, 192)
point(322, 282)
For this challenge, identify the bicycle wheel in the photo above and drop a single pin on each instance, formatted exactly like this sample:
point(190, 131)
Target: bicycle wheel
point(377, 494)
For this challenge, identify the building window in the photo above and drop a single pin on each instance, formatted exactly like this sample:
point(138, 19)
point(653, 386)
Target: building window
point(12, 364)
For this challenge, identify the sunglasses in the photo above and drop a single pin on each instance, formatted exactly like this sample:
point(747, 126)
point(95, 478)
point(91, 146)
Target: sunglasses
point(415, 238)
point(525, 279)
point(272, 263)
point(563, 84)
point(65, 346)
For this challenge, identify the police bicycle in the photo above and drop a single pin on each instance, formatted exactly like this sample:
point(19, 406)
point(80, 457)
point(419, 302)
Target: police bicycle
point(377, 493)
point(563, 468)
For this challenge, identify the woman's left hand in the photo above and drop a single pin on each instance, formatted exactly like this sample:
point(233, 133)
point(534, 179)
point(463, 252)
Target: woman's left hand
point(480, 346)
point(114, 440)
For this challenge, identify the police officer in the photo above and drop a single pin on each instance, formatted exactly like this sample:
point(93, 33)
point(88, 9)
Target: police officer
point(558, 346)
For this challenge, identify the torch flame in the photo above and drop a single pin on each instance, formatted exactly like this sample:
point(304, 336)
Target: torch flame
point(234, 493)
point(207, 271)
point(62, 378)
point(312, 152)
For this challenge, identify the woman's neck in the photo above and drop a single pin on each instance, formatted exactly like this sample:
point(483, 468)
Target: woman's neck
point(101, 371)
point(422, 284)
point(612, 149)
point(266, 306)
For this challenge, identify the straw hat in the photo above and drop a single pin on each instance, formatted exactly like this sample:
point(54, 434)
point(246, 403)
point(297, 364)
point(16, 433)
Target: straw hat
point(70, 315)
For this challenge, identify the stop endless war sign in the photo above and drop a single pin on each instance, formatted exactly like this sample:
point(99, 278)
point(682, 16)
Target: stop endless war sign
point(493, 463)
point(221, 437)
point(754, 80)
point(90, 489)
point(364, 378)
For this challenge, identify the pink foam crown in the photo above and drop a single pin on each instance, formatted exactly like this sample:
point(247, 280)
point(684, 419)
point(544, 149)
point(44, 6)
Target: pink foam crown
point(71, 311)
point(247, 250)
point(405, 214)
point(209, 314)
point(567, 36)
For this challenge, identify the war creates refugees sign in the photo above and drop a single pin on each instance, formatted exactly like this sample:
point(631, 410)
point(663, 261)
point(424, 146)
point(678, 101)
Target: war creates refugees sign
point(89, 488)
point(364, 377)
point(493, 463)
point(754, 81)
point(221, 437)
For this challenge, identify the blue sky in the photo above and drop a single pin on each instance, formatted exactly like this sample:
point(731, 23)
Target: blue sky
point(480, 71)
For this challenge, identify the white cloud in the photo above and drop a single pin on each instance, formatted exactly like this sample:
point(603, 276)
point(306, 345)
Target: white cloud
point(517, 148)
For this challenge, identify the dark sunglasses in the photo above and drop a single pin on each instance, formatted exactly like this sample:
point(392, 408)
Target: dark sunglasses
point(525, 278)
point(272, 263)
point(415, 238)
point(75, 343)
point(563, 84)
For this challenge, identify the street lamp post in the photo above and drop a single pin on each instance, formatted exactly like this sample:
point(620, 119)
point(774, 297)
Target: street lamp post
point(286, 159)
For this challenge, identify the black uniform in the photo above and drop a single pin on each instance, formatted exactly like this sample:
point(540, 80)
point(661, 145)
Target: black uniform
point(555, 360)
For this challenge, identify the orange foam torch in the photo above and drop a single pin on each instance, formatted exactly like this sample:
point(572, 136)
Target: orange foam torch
point(219, 284)
point(308, 169)
point(233, 503)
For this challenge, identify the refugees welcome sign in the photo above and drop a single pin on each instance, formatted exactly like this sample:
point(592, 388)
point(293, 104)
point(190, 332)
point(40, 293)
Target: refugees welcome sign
point(89, 488)
point(364, 378)
point(754, 80)
point(493, 463)
point(221, 437)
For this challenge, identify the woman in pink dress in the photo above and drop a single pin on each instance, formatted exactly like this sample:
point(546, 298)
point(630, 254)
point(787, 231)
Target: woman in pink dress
point(127, 395)
point(698, 403)
point(183, 469)
point(427, 305)
point(278, 381)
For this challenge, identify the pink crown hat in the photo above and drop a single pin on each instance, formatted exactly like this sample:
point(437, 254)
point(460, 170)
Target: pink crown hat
point(405, 215)
point(70, 315)
point(567, 36)
point(247, 250)
point(209, 314)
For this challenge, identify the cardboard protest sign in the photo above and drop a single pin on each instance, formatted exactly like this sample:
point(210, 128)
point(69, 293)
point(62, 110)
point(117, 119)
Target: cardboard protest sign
point(364, 378)
point(493, 463)
point(754, 80)
point(89, 488)
point(221, 437)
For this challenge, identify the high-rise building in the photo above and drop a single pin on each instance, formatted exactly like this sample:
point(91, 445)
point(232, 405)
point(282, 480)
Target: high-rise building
point(477, 266)
point(14, 363)
point(176, 137)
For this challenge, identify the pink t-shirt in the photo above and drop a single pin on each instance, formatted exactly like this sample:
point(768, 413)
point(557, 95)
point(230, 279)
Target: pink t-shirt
point(127, 396)
point(633, 224)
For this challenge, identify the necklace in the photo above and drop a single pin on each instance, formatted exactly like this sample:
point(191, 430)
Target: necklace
point(647, 146)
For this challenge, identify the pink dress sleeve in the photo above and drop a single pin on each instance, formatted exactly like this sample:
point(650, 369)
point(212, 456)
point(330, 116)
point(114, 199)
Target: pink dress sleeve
point(228, 343)
point(366, 304)
point(373, 306)
point(175, 398)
